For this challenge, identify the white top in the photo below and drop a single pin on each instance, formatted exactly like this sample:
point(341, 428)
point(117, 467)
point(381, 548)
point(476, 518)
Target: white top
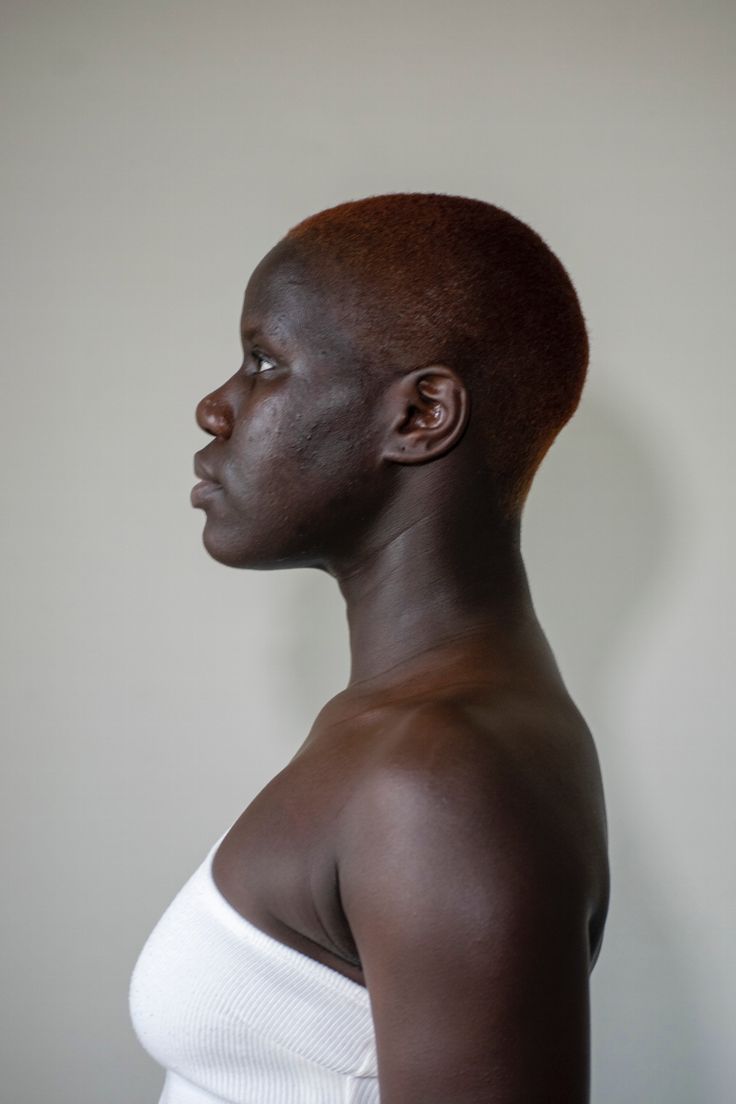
point(235, 1016)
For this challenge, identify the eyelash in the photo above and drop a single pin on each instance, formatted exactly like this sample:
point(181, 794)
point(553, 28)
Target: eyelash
point(261, 359)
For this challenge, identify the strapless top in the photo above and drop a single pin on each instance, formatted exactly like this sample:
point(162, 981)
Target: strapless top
point(236, 1017)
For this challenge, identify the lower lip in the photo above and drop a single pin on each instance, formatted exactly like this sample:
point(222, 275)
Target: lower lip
point(203, 491)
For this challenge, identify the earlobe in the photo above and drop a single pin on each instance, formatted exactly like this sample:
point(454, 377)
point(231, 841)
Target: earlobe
point(433, 411)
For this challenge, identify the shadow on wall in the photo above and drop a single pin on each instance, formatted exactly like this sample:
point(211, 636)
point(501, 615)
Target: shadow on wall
point(605, 542)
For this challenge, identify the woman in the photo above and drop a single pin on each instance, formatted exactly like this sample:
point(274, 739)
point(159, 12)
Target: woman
point(410, 910)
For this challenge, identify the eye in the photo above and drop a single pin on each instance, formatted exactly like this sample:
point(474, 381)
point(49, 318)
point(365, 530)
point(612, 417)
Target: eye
point(263, 362)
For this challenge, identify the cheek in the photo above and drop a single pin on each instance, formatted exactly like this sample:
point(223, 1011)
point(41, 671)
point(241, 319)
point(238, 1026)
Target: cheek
point(330, 450)
point(302, 438)
point(293, 500)
point(292, 465)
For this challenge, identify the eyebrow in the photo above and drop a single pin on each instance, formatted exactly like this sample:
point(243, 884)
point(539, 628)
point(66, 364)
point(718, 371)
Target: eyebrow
point(276, 334)
point(250, 334)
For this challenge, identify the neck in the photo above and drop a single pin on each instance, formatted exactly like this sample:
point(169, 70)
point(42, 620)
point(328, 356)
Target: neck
point(447, 586)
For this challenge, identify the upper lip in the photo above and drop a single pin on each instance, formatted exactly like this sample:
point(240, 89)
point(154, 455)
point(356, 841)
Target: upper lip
point(201, 471)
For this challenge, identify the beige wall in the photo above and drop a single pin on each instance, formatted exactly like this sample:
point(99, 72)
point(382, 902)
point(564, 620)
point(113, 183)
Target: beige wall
point(151, 153)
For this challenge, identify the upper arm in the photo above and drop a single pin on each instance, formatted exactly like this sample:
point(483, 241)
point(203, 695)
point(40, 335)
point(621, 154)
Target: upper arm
point(471, 922)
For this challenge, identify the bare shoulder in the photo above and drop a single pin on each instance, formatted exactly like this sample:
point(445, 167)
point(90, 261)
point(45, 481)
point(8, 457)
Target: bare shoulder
point(471, 867)
point(521, 775)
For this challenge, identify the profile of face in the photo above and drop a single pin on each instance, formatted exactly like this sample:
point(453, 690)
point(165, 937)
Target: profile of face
point(293, 469)
point(364, 332)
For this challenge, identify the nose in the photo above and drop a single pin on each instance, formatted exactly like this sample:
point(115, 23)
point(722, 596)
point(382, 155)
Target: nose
point(215, 413)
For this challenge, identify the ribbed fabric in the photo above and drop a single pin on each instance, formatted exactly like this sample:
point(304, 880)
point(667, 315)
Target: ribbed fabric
point(236, 1017)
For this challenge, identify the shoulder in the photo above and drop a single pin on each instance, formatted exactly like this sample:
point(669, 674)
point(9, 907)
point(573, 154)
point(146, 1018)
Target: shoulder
point(469, 902)
point(523, 773)
point(500, 805)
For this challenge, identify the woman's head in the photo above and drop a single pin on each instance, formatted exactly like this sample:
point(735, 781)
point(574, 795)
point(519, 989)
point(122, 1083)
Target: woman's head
point(429, 278)
point(333, 405)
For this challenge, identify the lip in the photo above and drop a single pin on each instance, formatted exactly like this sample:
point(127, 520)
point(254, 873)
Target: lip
point(203, 491)
point(202, 471)
point(207, 486)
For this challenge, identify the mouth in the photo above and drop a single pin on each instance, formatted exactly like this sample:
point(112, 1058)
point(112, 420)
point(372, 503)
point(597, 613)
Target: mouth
point(207, 487)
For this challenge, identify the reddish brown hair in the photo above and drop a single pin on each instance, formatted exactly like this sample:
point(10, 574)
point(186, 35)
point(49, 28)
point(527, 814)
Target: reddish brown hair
point(430, 278)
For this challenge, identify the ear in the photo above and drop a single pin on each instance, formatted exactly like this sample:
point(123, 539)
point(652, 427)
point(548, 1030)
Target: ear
point(429, 410)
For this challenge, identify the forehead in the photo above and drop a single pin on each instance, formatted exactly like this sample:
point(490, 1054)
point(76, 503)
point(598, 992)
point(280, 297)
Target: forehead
point(286, 302)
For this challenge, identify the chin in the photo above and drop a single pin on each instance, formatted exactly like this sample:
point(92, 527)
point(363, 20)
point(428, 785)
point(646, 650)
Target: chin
point(236, 552)
point(228, 552)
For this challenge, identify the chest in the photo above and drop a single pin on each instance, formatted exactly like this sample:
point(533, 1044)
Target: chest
point(276, 865)
point(235, 1015)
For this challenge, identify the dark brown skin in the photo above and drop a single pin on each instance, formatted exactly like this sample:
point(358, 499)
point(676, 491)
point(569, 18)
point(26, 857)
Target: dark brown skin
point(440, 835)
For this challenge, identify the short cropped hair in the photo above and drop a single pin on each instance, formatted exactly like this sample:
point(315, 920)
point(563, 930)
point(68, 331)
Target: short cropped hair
point(431, 278)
